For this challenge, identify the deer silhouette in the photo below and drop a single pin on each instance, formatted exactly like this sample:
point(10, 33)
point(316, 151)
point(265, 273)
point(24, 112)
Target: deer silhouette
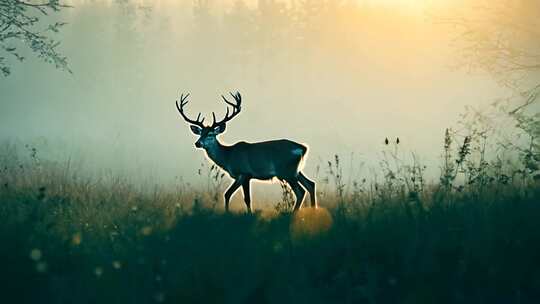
point(243, 161)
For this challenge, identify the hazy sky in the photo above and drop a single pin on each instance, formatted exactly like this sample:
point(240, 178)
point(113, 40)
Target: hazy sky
point(338, 79)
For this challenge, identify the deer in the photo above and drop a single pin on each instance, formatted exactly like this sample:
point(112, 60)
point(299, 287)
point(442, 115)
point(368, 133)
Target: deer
point(282, 159)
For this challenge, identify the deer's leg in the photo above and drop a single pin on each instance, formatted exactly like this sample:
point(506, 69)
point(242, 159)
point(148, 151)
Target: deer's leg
point(247, 193)
point(310, 187)
point(299, 192)
point(231, 190)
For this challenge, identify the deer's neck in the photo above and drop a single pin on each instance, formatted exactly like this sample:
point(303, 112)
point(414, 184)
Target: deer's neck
point(218, 153)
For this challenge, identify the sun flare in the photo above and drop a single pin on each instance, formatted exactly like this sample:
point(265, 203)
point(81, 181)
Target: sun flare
point(310, 222)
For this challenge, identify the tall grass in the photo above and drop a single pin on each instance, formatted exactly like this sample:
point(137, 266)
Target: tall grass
point(473, 237)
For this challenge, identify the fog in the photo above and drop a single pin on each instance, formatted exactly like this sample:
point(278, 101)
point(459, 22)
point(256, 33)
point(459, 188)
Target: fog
point(338, 78)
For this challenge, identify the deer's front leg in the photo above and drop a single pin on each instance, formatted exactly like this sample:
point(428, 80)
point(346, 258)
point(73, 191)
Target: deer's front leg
point(230, 191)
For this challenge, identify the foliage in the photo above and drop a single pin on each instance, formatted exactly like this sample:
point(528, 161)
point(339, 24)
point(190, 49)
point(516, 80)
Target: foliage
point(21, 23)
point(500, 38)
point(215, 182)
point(469, 239)
point(286, 205)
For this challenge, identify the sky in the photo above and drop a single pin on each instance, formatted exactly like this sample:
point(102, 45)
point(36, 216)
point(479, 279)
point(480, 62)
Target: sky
point(339, 80)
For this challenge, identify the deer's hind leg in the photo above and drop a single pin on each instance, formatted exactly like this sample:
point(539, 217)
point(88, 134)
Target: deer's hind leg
point(299, 192)
point(247, 193)
point(310, 187)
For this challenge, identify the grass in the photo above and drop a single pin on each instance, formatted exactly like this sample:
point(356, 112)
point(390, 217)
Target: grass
point(472, 238)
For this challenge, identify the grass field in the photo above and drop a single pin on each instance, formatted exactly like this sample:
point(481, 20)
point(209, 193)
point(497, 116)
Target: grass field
point(472, 238)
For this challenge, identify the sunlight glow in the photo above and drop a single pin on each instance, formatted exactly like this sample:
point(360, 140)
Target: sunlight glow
point(310, 222)
point(251, 3)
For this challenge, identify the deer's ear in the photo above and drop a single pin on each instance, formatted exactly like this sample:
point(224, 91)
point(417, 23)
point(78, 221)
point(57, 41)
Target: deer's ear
point(196, 130)
point(219, 128)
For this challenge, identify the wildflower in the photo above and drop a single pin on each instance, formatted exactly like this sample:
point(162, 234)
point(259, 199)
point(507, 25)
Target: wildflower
point(147, 230)
point(41, 267)
point(447, 140)
point(35, 254)
point(159, 297)
point(117, 264)
point(464, 150)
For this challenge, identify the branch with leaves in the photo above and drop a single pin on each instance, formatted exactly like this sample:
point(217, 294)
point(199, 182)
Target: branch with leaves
point(20, 26)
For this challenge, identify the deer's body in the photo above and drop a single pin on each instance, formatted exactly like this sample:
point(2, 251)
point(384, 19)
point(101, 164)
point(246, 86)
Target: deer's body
point(244, 161)
point(282, 158)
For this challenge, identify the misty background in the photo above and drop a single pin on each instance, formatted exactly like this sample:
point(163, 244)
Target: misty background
point(339, 76)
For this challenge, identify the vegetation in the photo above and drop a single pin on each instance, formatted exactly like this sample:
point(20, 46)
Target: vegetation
point(21, 25)
point(472, 238)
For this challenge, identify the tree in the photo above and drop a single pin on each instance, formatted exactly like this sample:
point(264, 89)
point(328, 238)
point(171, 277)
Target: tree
point(502, 37)
point(21, 25)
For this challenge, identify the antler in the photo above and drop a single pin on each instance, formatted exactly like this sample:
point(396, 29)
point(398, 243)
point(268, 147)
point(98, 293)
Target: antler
point(236, 108)
point(180, 107)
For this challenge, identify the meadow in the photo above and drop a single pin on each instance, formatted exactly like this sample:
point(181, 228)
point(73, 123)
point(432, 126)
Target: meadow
point(471, 237)
point(456, 221)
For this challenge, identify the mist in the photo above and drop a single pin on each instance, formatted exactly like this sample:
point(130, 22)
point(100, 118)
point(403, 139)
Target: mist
point(340, 79)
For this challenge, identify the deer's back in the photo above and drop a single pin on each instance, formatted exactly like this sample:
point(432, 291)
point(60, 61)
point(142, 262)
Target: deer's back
point(265, 160)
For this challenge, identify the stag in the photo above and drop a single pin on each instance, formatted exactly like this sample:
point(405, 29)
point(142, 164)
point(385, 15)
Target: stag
point(243, 161)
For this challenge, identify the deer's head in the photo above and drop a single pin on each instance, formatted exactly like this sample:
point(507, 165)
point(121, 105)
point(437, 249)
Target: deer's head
point(207, 134)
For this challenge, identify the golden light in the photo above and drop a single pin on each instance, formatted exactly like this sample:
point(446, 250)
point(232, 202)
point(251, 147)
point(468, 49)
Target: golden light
point(310, 222)
point(76, 239)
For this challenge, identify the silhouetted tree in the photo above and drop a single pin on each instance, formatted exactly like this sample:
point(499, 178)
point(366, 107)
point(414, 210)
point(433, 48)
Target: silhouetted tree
point(205, 35)
point(20, 25)
point(239, 25)
point(273, 45)
point(503, 38)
